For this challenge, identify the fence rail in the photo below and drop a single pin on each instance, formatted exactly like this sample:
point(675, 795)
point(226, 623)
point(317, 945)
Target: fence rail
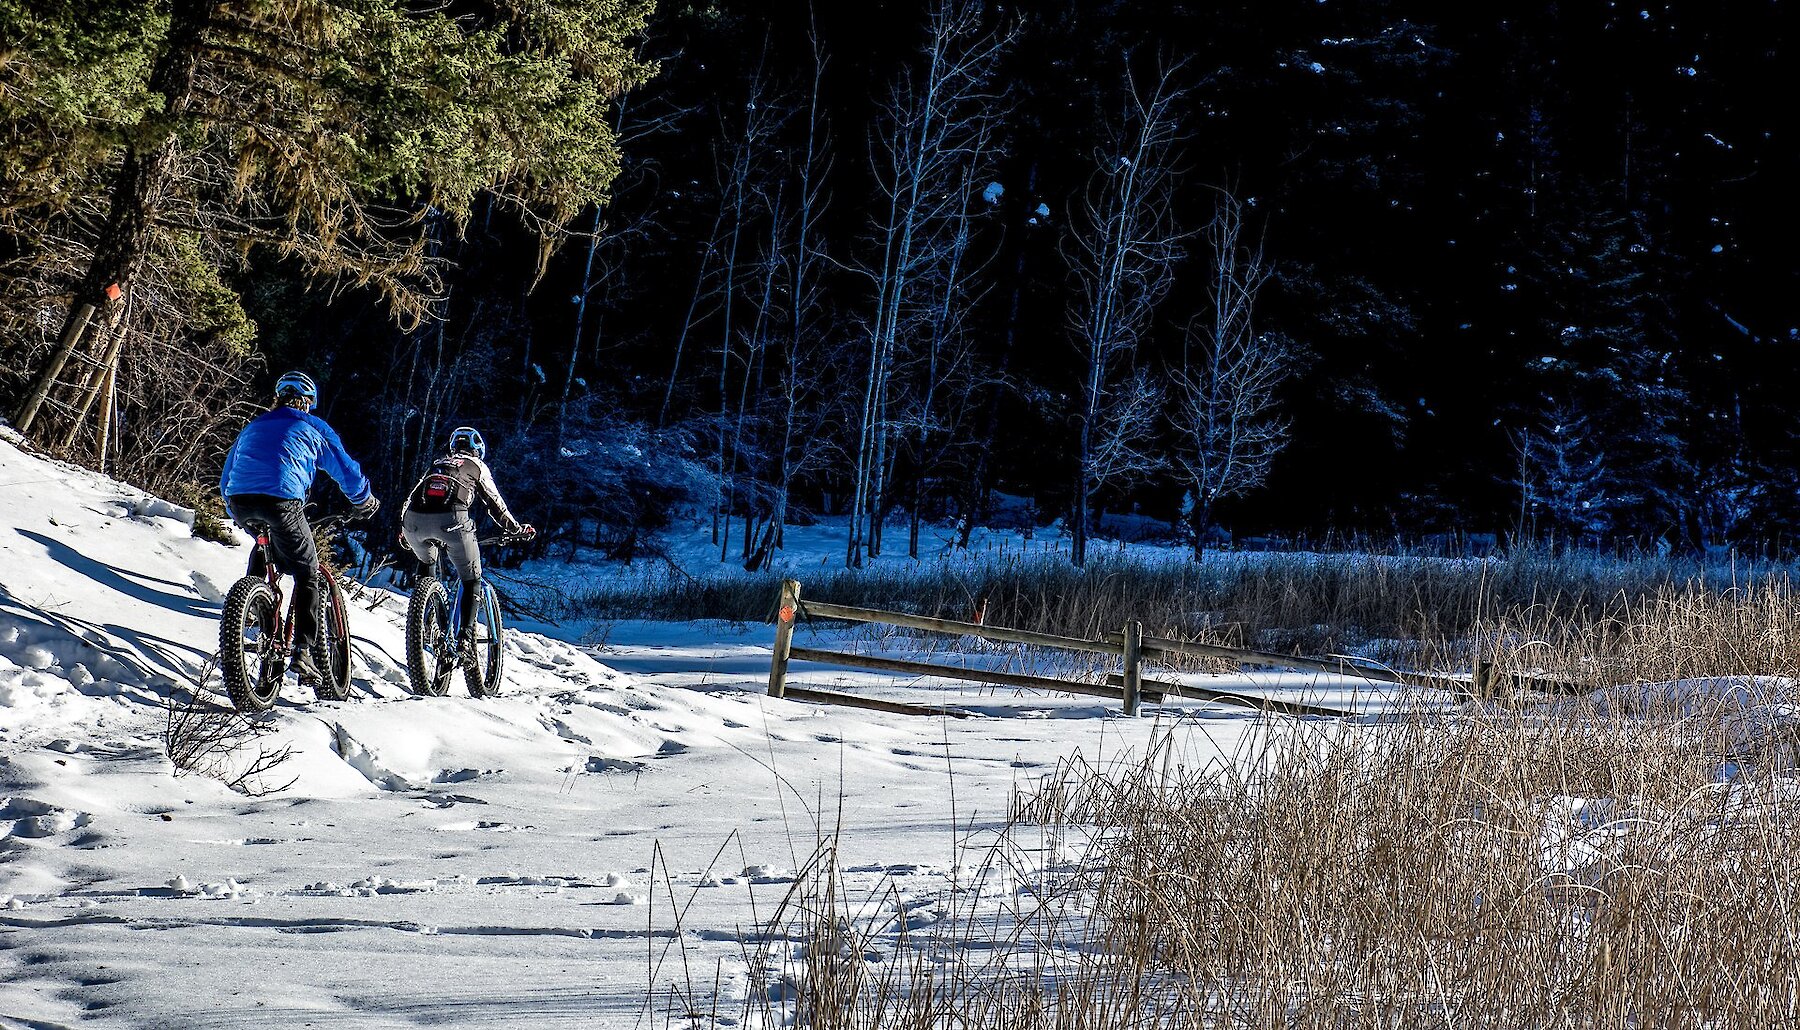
point(952, 672)
point(822, 610)
point(1340, 665)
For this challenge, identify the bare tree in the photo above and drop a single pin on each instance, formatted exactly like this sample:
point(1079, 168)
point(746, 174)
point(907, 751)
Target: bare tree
point(1226, 411)
point(1123, 247)
point(807, 330)
point(941, 376)
point(731, 272)
point(934, 131)
point(742, 478)
point(610, 237)
point(790, 339)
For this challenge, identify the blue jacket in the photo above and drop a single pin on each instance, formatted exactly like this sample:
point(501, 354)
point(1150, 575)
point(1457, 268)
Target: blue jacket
point(278, 453)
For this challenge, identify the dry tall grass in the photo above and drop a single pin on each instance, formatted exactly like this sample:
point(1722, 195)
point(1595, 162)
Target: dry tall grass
point(1555, 869)
point(1581, 870)
point(1680, 631)
point(1623, 860)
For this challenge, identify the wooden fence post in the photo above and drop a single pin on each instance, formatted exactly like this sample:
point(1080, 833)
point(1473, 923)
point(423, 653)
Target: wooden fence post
point(92, 389)
point(784, 636)
point(106, 416)
point(1134, 657)
point(1484, 680)
point(72, 333)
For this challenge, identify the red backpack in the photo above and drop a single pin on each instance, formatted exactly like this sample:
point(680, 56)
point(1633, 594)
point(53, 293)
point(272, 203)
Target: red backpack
point(450, 487)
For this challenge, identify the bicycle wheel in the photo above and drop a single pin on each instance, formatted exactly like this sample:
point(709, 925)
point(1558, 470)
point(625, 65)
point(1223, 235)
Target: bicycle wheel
point(430, 653)
point(483, 671)
point(331, 652)
point(252, 657)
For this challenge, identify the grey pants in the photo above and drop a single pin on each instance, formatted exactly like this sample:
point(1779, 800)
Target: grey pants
point(452, 534)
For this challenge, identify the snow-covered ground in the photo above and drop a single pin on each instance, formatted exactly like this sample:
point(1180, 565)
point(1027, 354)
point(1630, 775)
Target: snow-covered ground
point(602, 846)
point(619, 824)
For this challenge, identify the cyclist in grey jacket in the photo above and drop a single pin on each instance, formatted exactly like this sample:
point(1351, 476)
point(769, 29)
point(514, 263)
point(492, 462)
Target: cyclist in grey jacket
point(436, 517)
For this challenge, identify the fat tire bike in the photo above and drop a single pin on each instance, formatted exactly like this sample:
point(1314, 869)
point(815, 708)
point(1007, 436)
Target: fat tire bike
point(432, 651)
point(256, 637)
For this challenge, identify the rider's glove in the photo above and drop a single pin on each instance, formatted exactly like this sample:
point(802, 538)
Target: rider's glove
point(526, 532)
point(368, 508)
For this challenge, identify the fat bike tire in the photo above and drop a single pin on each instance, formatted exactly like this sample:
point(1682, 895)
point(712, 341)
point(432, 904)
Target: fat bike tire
point(427, 637)
point(250, 655)
point(484, 668)
point(331, 652)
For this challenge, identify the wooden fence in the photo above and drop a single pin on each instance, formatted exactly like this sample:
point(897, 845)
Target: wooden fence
point(1129, 687)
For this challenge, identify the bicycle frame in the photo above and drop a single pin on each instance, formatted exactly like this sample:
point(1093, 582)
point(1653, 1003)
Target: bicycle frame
point(271, 575)
point(445, 573)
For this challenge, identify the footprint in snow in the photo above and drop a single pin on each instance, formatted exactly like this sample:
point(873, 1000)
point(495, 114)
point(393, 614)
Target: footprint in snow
point(492, 825)
point(206, 588)
point(515, 880)
point(28, 818)
point(441, 800)
point(766, 874)
point(463, 775)
point(600, 764)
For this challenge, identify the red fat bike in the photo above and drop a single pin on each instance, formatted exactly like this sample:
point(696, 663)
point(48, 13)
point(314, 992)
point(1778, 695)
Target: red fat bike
point(256, 637)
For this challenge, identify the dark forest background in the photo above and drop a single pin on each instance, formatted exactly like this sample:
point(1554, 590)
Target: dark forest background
point(1529, 270)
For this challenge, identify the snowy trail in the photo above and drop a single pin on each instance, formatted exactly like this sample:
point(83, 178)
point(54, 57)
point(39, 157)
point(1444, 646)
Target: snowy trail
point(600, 834)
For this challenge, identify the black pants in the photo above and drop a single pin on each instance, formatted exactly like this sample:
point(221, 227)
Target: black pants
point(291, 545)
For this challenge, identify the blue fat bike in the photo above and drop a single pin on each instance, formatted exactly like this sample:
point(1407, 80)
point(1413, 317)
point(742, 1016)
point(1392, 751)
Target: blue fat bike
point(432, 651)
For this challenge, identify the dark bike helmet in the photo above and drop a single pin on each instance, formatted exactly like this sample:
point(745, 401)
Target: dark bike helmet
point(466, 438)
point(297, 384)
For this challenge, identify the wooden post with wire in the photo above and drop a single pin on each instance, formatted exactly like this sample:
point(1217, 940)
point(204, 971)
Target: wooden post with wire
point(785, 616)
point(94, 388)
point(72, 334)
point(1134, 661)
point(106, 416)
point(1484, 680)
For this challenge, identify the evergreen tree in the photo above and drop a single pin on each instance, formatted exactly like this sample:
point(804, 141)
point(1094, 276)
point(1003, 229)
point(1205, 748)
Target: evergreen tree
point(337, 134)
point(1562, 480)
point(1614, 354)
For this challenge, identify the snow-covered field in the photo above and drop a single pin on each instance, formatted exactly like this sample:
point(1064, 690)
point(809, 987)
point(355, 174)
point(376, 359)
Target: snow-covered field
point(619, 825)
point(607, 844)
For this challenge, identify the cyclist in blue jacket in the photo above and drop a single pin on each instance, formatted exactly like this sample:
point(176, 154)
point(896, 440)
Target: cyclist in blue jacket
point(265, 481)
